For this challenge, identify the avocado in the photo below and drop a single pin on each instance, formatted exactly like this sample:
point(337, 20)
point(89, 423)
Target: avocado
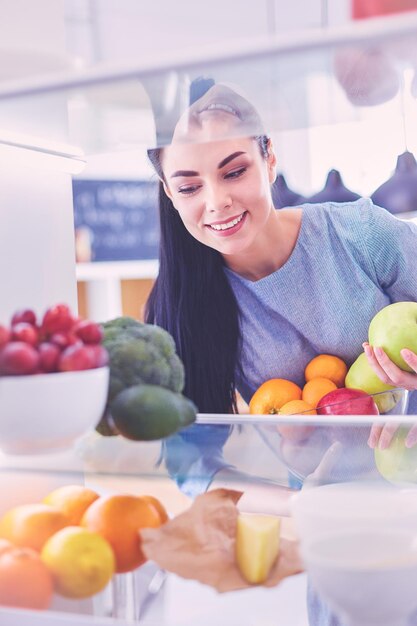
point(106, 426)
point(149, 412)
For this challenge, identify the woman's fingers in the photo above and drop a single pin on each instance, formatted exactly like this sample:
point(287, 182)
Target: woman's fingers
point(387, 433)
point(375, 364)
point(411, 439)
point(390, 374)
point(381, 435)
point(387, 371)
point(374, 435)
point(410, 358)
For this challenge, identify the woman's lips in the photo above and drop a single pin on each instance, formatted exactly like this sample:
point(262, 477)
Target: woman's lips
point(216, 105)
point(228, 227)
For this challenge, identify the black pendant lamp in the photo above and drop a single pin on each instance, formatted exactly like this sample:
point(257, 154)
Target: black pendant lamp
point(282, 195)
point(399, 193)
point(334, 190)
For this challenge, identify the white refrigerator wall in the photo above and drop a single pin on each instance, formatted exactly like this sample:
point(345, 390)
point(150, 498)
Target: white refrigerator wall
point(37, 258)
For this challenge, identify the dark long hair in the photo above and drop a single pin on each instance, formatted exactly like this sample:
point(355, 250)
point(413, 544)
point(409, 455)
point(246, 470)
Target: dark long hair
point(193, 301)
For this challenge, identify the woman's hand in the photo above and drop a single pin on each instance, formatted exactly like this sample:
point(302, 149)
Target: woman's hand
point(391, 374)
point(388, 372)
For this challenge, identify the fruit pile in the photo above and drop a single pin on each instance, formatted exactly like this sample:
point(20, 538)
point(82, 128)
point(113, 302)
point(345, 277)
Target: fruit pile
point(71, 544)
point(325, 392)
point(59, 342)
point(331, 389)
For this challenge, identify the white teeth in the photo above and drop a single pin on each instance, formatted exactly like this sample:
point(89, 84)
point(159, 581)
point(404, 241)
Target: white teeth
point(227, 224)
point(221, 107)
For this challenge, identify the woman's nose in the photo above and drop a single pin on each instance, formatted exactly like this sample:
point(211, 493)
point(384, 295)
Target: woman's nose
point(218, 199)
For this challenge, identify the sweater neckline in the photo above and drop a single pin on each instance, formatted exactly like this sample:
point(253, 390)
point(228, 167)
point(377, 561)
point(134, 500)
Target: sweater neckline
point(281, 270)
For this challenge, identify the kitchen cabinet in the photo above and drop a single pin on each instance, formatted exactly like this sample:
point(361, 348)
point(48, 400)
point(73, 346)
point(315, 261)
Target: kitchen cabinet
point(112, 110)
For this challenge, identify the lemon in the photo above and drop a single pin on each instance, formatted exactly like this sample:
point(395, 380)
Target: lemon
point(81, 562)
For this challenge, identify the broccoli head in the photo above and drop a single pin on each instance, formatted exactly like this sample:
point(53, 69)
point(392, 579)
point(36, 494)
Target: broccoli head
point(141, 354)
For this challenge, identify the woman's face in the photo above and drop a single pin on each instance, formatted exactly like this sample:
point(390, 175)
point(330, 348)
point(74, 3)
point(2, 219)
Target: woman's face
point(220, 187)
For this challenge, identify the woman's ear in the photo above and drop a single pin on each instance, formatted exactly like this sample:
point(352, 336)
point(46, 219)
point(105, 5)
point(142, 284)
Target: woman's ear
point(166, 189)
point(271, 162)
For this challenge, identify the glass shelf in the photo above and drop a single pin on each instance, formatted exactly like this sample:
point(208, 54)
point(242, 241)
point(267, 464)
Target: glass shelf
point(114, 109)
point(275, 448)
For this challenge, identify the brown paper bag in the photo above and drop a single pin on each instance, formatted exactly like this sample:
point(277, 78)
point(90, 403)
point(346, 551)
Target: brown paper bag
point(199, 544)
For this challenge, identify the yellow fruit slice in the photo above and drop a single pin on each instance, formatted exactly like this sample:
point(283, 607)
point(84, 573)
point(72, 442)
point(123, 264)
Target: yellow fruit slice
point(257, 545)
point(80, 561)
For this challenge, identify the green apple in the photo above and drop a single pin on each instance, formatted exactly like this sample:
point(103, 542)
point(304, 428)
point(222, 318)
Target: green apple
point(361, 376)
point(397, 463)
point(393, 328)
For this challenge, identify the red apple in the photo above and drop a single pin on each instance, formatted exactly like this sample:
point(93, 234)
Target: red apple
point(100, 354)
point(18, 358)
point(57, 318)
point(4, 335)
point(24, 315)
point(89, 332)
point(64, 340)
point(49, 355)
point(344, 401)
point(75, 358)
point(23, 331)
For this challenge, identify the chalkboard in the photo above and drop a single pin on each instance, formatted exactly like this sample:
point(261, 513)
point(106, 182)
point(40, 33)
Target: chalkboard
point(115, 220)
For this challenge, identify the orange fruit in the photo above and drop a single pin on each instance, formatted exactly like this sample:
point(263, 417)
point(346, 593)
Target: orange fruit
point(25, 582)
point(272, 395)
point(295, 407)
point(5, 545)
point(163, 515)
point(327, 366)
point(72, 500)
point(296, 432)
point(316, 388)
point(82, 563)
point(30, 525)
point(118, 519)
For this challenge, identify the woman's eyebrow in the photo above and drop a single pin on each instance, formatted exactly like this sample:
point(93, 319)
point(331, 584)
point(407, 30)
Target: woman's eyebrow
point(184, 173)
point(225, 161)
point(228, 159)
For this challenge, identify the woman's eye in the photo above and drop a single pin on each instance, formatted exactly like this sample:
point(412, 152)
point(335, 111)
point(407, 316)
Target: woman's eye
point(188, 190)
point(236, 173)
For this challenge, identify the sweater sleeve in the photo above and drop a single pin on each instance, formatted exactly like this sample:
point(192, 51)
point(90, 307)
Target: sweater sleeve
point(392, 247)
point(194, 455)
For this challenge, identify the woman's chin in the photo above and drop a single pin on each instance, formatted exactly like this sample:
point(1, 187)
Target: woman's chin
point(230, 248)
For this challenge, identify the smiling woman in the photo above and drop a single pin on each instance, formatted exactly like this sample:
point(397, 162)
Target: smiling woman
point(216, 211)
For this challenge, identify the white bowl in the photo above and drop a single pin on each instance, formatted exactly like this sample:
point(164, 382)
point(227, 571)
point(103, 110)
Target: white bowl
point(359, 547)
point(368, 577)
point(49, 412)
